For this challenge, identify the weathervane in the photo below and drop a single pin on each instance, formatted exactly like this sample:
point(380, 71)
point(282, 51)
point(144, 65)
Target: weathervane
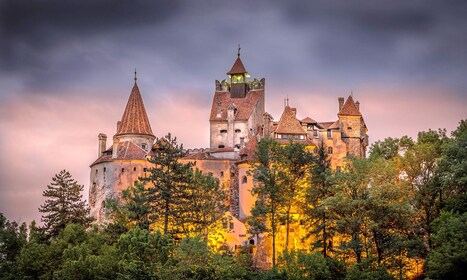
point(238, 53)
point(135, 76)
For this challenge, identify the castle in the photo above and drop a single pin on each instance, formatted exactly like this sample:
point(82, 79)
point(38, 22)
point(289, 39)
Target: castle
point(238, 121)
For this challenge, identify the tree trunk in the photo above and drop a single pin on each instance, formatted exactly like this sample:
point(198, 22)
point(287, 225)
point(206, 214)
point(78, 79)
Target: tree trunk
point(273, 225)
point(325, 254)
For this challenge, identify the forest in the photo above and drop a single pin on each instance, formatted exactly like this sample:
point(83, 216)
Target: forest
point(397, 214)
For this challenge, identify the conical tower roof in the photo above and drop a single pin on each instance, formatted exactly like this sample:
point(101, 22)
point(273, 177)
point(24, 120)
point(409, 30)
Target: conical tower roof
point(134, 119)
point(237, 67)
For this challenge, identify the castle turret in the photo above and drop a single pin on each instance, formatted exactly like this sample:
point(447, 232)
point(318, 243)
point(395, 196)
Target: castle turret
point(238, 76)
point(134, 126)
point(353, 127)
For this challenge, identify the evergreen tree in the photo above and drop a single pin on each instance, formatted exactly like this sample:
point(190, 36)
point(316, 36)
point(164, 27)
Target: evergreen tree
point(266, 173)
point(63, 205)
point(316, 207)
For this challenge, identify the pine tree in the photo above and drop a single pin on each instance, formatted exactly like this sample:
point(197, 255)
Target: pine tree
point(64, 204)
point(169, 180)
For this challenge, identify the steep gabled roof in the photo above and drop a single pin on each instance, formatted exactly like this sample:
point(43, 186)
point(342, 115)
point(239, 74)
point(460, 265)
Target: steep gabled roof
point(134, 119)
point(288, 124)
point(237, 67)
point(349, 108)
point(222, 100)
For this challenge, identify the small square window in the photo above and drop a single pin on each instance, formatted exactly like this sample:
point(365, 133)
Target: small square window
point(134, 168)
point(123, 170)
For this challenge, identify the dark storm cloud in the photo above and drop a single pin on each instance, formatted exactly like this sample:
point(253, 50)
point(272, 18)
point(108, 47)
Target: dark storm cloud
point(46, 40)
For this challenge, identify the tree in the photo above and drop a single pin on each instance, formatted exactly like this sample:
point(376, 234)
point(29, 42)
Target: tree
point(13, 238)
point(321, 187)
point(448, 259)
point(204, 204)
point(266, 174)
point(64, 204)
point(420, 164)
point(453, 170)
point(168, 184)
point(295, 163)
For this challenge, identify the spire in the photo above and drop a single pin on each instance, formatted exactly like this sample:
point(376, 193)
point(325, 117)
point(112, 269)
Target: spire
point(237, 67)
point(134, 119)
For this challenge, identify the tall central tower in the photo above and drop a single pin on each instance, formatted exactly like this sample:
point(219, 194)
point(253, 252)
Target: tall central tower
point(237, 111)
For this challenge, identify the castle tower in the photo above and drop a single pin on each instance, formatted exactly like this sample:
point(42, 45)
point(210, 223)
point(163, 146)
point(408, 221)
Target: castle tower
point(352, 126)
point(120, 165)
point(237, 111)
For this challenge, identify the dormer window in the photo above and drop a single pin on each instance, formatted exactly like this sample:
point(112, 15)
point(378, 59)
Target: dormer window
point(144, 146)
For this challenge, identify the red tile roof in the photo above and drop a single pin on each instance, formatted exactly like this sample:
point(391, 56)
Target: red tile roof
point(288, 124)
point(308, 120)
point(349, 108)
point(127, 150)
point(237, 67)
point(244, 105)
point(134, 119)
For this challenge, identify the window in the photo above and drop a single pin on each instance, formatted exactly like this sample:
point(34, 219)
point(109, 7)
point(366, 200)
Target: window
point(231, 225)
point(224, 225)
point(330, 150)
point(302, 137)
point(252, 242)
point(143, 146)
point(232, 174)
point(309, 127)
point(136, 182)
point(104, 169)
point(221, 146)
point(349, 128)
point(97, 170)
point(123, 170)
point(134, 168)
point(329, 133)
point(237, 130)
point(315, 132)
point(222, 174)
point(224, 131)
point(237, 146)
point(244, 180)
point(145, 169)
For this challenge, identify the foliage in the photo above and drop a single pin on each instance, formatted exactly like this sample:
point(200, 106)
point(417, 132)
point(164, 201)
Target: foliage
point(64, 204)
point(448, 259)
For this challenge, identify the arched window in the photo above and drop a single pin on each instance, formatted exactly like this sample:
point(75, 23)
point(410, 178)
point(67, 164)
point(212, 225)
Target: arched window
point(244, 180)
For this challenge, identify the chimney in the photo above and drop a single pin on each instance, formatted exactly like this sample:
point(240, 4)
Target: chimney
point(341, 103)
point(119, 123)
point(358, 105)
point(102, 143)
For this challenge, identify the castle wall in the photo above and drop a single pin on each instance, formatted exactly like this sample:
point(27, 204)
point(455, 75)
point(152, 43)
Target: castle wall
point(109, 179)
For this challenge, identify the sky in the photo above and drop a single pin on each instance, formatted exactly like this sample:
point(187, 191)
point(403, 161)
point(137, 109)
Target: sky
point(66, 71)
